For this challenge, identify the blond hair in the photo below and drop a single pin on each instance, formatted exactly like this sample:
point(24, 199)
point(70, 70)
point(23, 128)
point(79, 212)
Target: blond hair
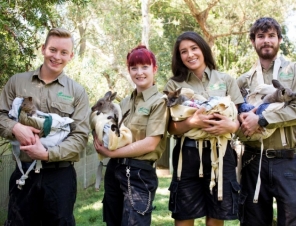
point(59, 32)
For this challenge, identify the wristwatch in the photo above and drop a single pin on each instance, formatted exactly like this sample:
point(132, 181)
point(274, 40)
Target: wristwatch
point(262, 121)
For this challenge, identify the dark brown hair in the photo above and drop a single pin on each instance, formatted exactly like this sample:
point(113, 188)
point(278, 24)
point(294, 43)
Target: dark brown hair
point(180, 71)
point(264, 24)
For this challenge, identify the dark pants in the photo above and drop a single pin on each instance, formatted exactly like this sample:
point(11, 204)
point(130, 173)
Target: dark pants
point(47, 198)
point(278, 180)
point(191, 197)
point(128, 202)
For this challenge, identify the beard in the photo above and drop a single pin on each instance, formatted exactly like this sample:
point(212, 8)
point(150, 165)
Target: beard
point(267, 55)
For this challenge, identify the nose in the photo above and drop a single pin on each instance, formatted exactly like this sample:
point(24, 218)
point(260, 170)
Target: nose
point(190, 53)
point(139, 71)
point(266, 39)
point(57, 55)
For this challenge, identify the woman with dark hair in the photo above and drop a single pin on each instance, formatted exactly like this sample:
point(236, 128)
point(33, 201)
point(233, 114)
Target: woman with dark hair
point(130, 179)
point(194, 67)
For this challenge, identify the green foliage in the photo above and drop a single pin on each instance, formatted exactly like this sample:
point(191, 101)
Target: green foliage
point(20, 23)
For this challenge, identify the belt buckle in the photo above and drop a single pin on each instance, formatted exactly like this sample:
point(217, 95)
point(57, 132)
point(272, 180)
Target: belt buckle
point(270, 152)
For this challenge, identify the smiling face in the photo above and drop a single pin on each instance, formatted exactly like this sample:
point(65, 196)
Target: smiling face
point(192, 57)
point(57, 53)
point(142, 75)
point(267, 44)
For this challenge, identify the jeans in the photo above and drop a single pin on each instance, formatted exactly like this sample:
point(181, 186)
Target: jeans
point(128, 200)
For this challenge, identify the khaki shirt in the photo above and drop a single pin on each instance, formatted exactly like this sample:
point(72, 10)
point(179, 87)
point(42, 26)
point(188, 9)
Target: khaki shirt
point(63, 96)
point(148, 117)
point(213, 83)
point(285, 117)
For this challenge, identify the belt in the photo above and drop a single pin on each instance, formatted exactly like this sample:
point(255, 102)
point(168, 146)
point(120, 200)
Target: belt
point(50, 165)
point(142, 164)
point(194, 143)
point(271, 153)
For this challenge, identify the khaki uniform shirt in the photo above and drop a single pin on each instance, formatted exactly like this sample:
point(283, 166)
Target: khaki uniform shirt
point(285, 117)
point(213, 83)
point(148, 117)
point(63, 96)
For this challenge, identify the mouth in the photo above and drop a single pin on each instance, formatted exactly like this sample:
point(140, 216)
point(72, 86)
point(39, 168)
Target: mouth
point(192, 61)
point(266, 47)
point(55, 63)
point(141, 78)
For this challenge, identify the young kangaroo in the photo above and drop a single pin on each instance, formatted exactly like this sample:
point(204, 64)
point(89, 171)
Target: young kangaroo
point(282, 94)
point(175, 97)
point(28, 106)
point(106, 106)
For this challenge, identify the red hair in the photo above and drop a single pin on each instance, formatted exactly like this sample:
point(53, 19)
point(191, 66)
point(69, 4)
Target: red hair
point(140, 55)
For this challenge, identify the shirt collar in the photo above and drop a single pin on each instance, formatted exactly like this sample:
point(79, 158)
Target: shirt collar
point(252, 71)
point(207, 73)
point(61, 79)
point(146, 94)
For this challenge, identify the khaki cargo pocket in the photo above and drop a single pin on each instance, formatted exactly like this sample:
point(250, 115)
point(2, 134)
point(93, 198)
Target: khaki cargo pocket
point(62, 109)
point(241, 206)
point(138, 127)
point(173, 196)
point(235, 194)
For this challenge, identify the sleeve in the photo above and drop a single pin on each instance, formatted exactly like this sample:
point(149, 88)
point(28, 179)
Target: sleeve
point(234, 91)
point(6, 98)
point(74, 144)
point(170, 86)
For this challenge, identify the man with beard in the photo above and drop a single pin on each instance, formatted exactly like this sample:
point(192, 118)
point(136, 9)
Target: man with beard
point(269, 171)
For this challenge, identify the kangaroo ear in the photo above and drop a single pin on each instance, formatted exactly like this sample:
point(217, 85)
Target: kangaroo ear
point(166, 92)
point(113, 95)
point(107, 95)
point(277, 84)
point(178, 91)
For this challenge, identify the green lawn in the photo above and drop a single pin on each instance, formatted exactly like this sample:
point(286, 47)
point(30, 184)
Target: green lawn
point(88, 207)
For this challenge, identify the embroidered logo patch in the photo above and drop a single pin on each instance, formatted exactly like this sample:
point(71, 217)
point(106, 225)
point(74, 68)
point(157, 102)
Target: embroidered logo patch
point(143, 110)
point(218, 86)
point(286, 76)
point(65, 97)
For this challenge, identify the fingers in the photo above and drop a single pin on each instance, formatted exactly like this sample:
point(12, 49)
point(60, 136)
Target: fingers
point(200, 110)
point(34, 130)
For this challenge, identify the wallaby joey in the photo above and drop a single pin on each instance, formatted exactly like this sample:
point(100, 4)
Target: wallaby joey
point(282, 94)
point(175, 97)
point(112, 110)
point(28, 106)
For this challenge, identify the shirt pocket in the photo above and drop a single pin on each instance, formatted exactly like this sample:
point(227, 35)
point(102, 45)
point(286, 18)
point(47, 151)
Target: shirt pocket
point(138, 127)
point(62, 109)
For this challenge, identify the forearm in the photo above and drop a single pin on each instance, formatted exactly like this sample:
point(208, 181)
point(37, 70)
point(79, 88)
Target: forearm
point(137, 148)
point(6, 126)
point(178, 128)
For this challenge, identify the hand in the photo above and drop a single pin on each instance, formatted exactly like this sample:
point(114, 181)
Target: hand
point(249, 121)
point(36, 151)
point(199, 119)
point(25, 134)
point(221, 125)
point(100, 149)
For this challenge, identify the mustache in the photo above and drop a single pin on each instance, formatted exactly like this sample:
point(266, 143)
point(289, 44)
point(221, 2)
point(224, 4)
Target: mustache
point(266, 46)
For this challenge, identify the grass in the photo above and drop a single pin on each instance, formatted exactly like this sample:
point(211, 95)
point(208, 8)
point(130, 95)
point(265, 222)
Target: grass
point(88, 207)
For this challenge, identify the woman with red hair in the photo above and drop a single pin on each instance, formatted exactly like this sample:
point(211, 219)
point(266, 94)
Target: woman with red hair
point(130, 180)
